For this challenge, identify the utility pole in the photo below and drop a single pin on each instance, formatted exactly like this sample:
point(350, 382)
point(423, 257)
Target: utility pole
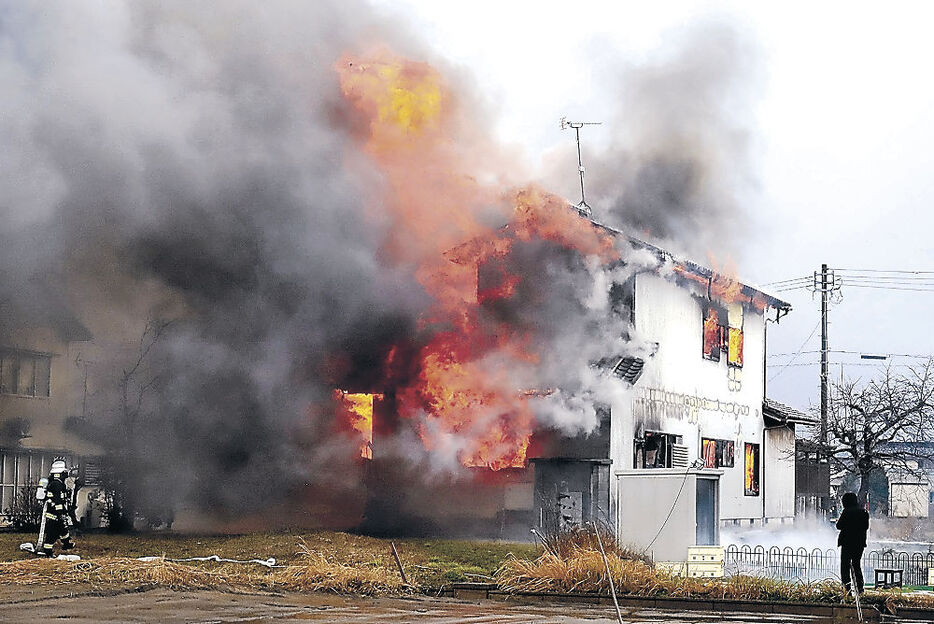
point(824, 380)
point(826, 283)
point(583, 207)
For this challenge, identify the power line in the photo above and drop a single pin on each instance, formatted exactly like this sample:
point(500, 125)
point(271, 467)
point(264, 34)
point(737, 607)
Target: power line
point(880, 287)
point(878, 364)
point(887, 271)
point(880, 277)
point(803, 344)
point(793, 279)
point(851, 352)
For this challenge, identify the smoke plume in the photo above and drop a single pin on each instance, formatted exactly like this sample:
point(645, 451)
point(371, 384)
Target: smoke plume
point(678, 162)
point(176, 161)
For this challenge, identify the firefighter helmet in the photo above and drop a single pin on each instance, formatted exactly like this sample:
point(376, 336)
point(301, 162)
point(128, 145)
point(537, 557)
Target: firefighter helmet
point(58, 466)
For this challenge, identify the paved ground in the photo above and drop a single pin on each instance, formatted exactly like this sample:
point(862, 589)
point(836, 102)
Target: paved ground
point(41, 605)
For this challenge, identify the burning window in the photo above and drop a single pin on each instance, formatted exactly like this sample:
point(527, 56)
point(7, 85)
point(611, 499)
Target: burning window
point(719, 337)
point(653, 450)
point(355, 411)
point(713, 332)
point(717, 453)
point(752, 469)
point(735, 347)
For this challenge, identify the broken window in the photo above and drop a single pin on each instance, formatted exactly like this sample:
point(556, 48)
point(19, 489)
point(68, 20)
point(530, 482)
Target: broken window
point(713, 332)
point(735, 347)
point(752, 469)
point(623, 299)
point(25, 374)
point(727, 337)
point(717, 453)
point(653, 450)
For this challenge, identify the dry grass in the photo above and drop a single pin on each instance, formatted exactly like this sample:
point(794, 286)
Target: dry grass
point(315, 561)
point(568, 541)
point(316, 572)
point(582, 570)
point(313, 572)
point(112, 572)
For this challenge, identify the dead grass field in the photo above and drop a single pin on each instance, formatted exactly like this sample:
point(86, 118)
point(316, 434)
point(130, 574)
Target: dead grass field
point(322, 560)
point(353, 564)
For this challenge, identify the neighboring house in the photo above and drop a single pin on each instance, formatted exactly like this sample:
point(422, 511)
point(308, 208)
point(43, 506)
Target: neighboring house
point(909, 492)
point(813, 482)
point(41, 386)
point(909, 480)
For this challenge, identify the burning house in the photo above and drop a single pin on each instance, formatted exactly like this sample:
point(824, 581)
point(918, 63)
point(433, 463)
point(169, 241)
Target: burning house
point(682, 403)
point(563, 372)
point(366, 289)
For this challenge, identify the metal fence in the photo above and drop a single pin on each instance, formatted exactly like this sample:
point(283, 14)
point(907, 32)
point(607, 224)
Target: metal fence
point(801, 564)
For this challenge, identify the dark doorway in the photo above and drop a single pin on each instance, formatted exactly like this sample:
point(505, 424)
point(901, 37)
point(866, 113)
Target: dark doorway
point(707, 516)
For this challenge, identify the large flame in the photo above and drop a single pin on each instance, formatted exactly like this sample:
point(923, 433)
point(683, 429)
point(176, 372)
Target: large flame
point(356, 411)
point(464, 398)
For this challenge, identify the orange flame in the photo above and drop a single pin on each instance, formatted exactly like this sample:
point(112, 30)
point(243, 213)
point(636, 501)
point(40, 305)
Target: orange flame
point(356, 411)
point(723, 285)
point(428, 156)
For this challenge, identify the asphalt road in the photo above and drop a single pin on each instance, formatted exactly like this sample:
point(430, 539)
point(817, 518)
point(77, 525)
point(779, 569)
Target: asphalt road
point(41, 605)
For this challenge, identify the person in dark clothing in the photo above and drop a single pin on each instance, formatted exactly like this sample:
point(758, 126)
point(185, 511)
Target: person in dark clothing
point(853, 524)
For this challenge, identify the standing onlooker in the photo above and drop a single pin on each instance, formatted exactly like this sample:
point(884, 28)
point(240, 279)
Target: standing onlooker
point(853, 524)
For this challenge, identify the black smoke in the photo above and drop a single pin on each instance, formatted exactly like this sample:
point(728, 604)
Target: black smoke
point(183, 176)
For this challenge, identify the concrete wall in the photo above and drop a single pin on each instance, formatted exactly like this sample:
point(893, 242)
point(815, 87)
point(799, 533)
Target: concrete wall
point(682, 393)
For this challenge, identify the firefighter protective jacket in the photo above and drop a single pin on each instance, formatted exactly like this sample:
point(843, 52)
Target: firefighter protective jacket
point(57, 497)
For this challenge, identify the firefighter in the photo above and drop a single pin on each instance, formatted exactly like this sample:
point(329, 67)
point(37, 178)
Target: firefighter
point(57, 516)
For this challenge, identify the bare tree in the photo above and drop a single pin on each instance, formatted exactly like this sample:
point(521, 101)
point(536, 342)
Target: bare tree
point(125, 455)
point(883, 424)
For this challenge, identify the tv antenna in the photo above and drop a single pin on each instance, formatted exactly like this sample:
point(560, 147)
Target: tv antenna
point(583, 207)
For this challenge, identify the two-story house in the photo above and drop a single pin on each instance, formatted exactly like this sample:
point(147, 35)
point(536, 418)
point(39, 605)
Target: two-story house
point(691, 444)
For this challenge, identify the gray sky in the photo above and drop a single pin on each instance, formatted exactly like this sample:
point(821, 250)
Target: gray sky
point(841, 139)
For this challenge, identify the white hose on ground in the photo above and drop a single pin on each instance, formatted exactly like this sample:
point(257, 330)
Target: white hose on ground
point(269, 563)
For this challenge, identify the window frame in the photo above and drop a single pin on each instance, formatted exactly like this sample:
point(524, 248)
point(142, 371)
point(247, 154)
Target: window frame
point(667, 440)
point(718, 453)
point(752, 487)
point(41, 362)
point(717, 336)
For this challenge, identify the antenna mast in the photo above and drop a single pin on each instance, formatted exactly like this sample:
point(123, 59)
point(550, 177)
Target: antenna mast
point(583, 207)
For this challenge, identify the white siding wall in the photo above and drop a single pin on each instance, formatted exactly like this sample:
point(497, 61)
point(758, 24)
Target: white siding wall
point(687, 395)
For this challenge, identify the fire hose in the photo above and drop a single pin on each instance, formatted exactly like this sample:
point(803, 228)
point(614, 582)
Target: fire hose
point(269, 563)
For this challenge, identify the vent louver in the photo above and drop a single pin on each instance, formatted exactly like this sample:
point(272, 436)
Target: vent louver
point(679, 456)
